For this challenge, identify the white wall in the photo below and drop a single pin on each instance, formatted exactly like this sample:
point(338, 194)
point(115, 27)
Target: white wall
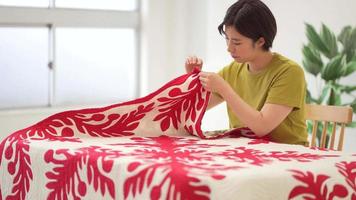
point(167, 38)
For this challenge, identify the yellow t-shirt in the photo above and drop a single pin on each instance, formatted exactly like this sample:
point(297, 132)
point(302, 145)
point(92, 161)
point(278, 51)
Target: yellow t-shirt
point(281, 82)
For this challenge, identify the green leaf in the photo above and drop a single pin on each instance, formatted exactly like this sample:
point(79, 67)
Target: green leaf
point(325, 94)
point(349, 44)
point(335, 97)
point(353, 58)
point(315, 39)
point(350, 68)
point(312, 55)
point(349, 55)
point(309, 98)
point(333, 69)
point(329, 40)
point(347, 38)
point(345, 35)
point(309, 126)
point(348, 89)
point(351, 125)
point(353, 105)
point(311, 60)
point(311, 67)
point(353, 39)
point(345, 88)
point(342, 67)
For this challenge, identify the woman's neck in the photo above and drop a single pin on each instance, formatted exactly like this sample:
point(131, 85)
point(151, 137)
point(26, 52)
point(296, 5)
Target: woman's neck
point(260, 62)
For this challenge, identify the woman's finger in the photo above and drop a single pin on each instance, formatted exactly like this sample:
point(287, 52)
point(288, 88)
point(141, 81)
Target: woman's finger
point(200, 61)
point(203, 74)
point(195, 59)
point(187, 61)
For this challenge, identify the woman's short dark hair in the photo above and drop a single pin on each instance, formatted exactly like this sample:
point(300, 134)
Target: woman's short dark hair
point(253, 19)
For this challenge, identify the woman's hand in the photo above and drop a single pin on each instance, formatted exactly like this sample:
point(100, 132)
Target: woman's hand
point(212, 82)
point(193, 62)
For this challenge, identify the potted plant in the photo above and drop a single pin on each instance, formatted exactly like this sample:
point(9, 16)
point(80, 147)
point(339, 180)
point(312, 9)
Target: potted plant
point(330, 58)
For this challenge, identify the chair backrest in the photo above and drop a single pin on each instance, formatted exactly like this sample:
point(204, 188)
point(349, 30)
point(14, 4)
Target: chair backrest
point(328, 114)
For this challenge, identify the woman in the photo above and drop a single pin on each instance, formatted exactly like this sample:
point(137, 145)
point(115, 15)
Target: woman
point(264, 91)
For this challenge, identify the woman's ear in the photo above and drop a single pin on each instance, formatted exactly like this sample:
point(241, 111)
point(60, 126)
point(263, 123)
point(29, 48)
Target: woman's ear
point(260, 42)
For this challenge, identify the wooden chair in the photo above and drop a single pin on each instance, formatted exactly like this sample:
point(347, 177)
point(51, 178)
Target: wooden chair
point(328, 114)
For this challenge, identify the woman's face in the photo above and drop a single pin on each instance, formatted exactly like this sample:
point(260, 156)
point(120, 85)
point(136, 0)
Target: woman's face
point(241, 48)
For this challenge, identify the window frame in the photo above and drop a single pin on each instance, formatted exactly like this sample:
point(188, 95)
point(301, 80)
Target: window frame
point(52, 17)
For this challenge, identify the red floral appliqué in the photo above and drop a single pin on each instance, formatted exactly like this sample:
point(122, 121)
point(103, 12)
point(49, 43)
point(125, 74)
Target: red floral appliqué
point(178, 102)
point(180, 163)
point(259, 158)
point(315, 187)
point(183, 161)
point(65, 178)
point(348, 170)
point(58, 127)
point(19, 167)
point(246, 132)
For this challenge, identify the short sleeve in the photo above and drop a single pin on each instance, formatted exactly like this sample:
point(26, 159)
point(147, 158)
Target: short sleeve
point(223, 73)
point(288, 88)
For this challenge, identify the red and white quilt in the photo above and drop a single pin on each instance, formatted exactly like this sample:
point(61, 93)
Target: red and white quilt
point(148, 149)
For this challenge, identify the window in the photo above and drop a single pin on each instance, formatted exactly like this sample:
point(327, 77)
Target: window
point(105, 76)
point(30, 3)
point(98, 4)
point(55, 55)
point(23, 67)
